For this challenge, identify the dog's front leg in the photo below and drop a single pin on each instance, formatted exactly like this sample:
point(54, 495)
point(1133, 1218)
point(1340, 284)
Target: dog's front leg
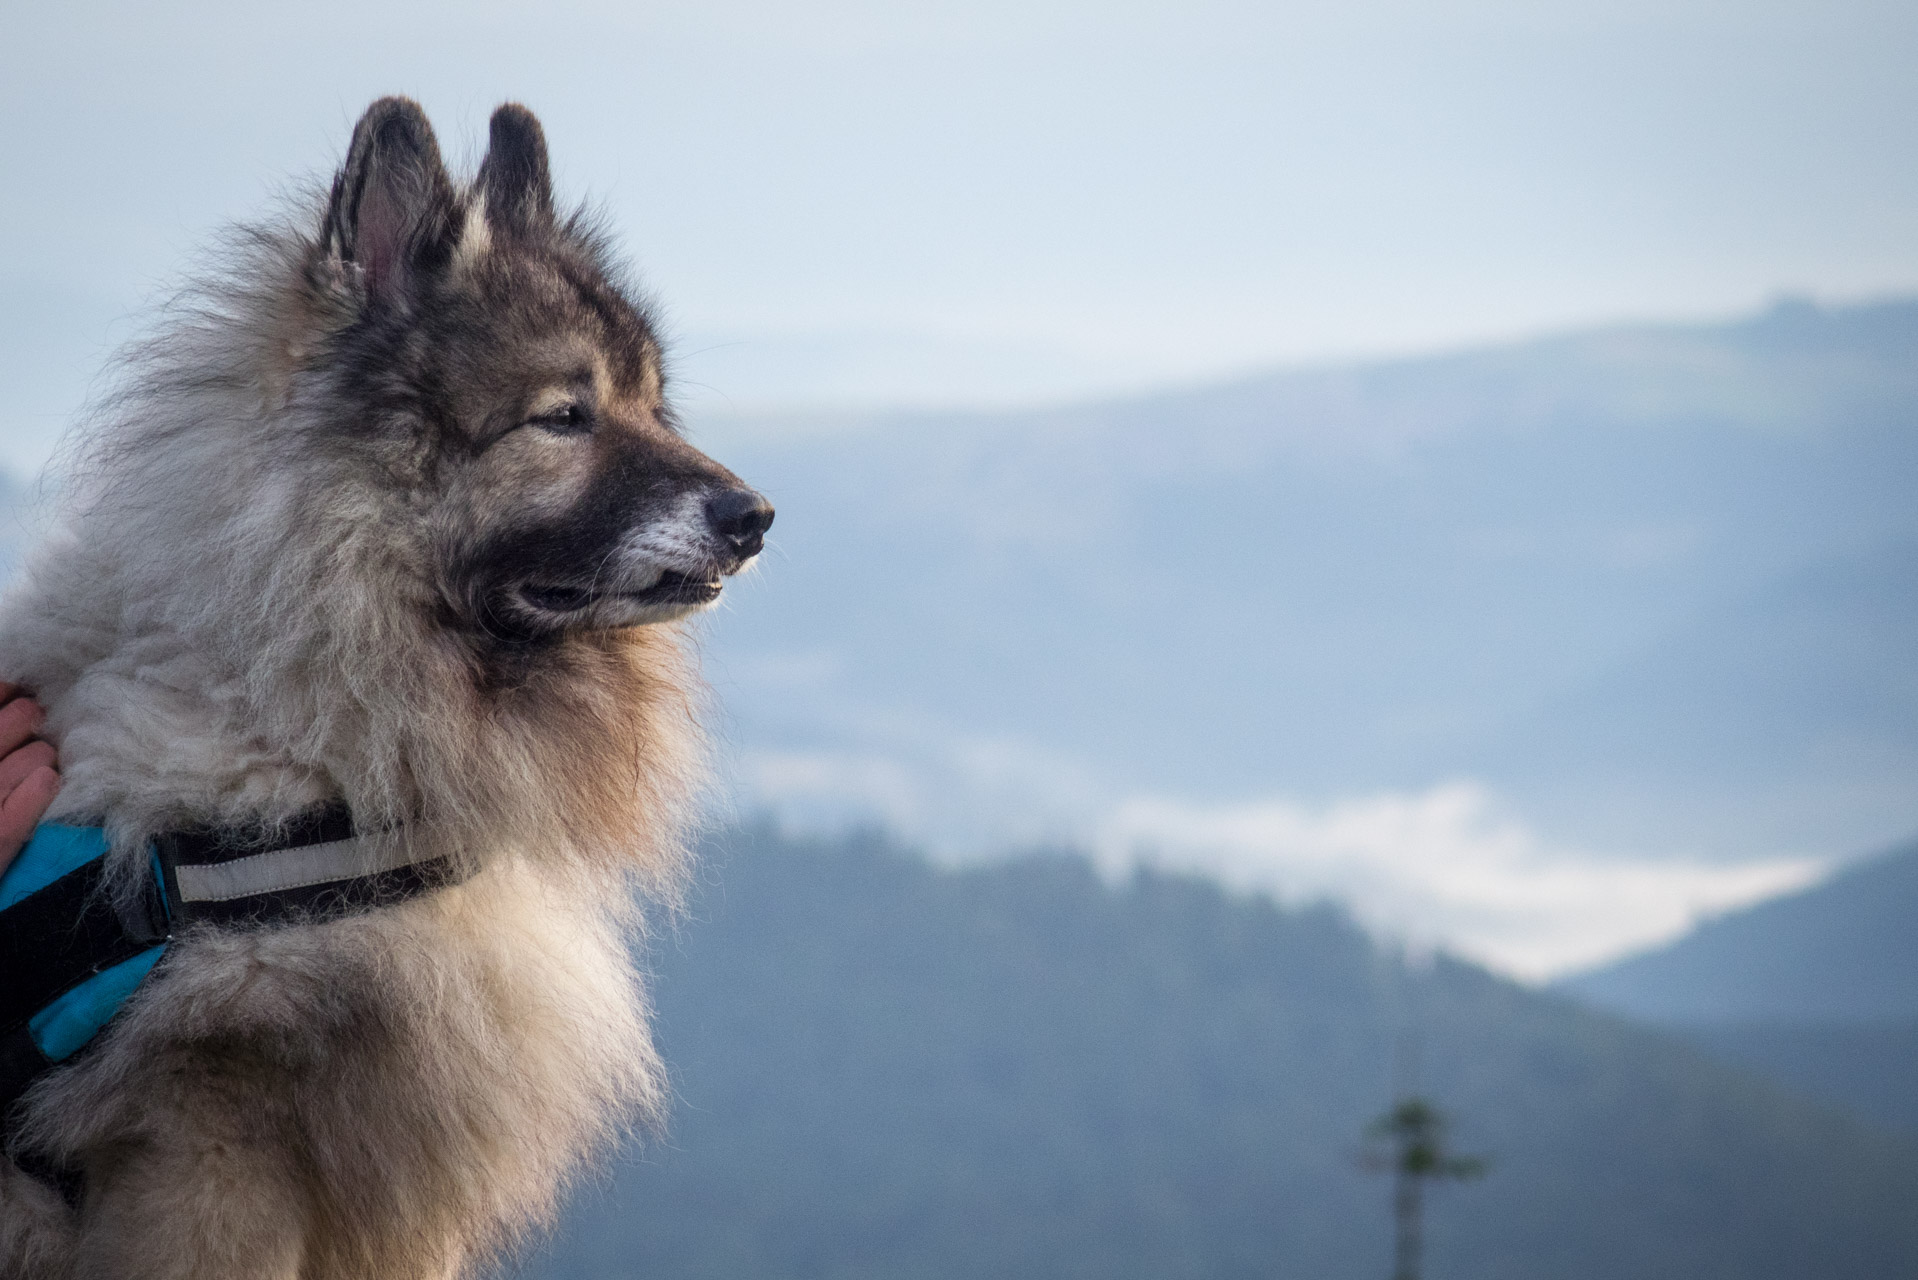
point(205, 1209)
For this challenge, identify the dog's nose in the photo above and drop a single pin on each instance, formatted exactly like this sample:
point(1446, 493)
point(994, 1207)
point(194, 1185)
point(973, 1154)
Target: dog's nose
point(741, 517)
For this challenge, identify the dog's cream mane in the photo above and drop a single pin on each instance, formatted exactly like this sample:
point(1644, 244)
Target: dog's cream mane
point(231, 622)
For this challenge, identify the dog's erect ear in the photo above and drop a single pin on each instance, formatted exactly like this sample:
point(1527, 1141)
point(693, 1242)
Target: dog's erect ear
point(392, 209)
point(515, 178)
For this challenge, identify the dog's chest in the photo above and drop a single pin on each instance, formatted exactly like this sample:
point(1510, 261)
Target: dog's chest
point(145, 731)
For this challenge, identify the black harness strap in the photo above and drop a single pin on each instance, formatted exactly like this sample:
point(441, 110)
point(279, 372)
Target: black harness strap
point(343, 875)
point(60, 936)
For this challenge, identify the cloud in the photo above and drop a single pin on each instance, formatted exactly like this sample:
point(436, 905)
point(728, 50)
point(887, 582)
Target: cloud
point(1451, 866)
point(1447, 867)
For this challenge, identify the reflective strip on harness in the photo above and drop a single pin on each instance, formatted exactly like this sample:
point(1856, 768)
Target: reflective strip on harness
point(314, 868)
point(285, 869)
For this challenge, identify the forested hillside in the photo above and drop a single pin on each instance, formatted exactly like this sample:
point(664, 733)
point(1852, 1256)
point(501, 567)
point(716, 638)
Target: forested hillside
point(885, 1069)
point(1818, 990)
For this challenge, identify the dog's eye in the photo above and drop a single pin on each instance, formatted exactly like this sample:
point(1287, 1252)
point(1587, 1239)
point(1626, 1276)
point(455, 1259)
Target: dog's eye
point(567, 421)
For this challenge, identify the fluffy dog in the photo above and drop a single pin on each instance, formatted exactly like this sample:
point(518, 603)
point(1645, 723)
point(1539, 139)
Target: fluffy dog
point(393, 511)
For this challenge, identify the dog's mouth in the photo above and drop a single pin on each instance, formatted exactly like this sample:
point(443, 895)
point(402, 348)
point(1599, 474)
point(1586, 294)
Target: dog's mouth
point(673, 588)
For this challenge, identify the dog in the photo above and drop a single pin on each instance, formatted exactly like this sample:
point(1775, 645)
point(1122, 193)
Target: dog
point(392, 512)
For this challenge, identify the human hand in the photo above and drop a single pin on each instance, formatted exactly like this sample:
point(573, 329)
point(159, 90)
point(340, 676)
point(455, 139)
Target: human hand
point(28, 777)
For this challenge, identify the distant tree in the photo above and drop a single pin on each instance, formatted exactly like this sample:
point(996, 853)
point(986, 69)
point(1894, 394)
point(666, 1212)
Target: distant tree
point(1412, 1134)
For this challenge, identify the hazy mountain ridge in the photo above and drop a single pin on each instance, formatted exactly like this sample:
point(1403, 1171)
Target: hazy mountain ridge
point(1845, 951)
point(1803, 691)
point(1384, 575)
point(887, 1070)
point(1818, 990)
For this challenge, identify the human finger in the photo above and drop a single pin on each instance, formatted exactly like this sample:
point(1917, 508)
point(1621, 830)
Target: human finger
point(21, 761)
point(20, 719)
point(22, 810)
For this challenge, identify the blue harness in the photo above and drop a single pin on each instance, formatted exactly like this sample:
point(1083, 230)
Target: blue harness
point(69, 957)
point(72, 952)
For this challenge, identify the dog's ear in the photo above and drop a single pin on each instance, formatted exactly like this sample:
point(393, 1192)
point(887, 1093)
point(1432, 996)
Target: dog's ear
point(392, 209)
point(514, 177)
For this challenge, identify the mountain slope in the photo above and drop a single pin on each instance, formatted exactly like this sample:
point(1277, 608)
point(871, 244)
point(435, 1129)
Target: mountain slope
point(1845, 951)
point(888, 1070)
point(1495, 564)
point(1868, 1068)
point(1818, 990)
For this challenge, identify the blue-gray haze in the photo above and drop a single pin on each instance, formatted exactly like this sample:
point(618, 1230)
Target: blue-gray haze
point(988, 201)
point(1657, 585)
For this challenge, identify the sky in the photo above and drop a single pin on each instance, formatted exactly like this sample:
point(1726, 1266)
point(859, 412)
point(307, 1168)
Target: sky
point(866, 202)
point(870, 202)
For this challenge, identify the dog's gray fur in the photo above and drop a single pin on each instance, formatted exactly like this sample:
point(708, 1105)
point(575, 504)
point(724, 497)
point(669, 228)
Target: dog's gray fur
point(392, 511)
